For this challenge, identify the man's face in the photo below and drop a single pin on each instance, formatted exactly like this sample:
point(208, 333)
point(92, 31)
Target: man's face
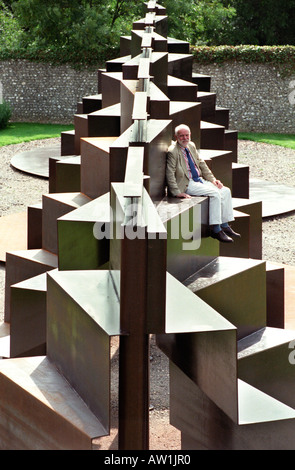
point(183, 137)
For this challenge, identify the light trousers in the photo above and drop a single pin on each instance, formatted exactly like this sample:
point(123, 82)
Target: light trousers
point(220, 201)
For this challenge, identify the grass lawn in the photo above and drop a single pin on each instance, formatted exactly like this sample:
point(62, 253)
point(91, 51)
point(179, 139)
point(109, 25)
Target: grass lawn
point(18, 132)
point(284, 140)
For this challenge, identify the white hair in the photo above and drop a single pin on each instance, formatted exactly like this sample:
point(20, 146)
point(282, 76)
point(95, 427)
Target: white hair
point(180, 127)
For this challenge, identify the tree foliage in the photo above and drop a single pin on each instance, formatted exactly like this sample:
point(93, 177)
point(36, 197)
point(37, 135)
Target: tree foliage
point(9, 28)
point(88, 31)
point(203, 22)
point(81, 31)
point(263, 22)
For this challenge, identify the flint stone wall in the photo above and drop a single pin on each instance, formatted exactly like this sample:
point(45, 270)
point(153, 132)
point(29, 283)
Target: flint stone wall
point(40, 92)
point(259, 98)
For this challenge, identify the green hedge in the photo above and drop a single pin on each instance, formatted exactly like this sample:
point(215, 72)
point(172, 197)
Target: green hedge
point(61, 55)
point(281, 56)
point(5, 114)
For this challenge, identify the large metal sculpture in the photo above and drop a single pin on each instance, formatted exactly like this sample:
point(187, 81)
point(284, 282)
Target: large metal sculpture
point(110, 255)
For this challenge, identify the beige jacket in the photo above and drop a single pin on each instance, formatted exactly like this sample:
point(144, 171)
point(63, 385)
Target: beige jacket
point(176, 171)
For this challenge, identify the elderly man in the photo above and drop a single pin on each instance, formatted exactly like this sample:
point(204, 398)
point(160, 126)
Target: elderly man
point(188, 175)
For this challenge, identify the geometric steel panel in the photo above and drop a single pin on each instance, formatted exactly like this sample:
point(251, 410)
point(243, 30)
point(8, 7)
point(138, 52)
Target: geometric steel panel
point(130, 68)
point(118, 156)
point(157, 140)
point(203, 344)
point(208, 101)
point(22, 265)
point(64, 175)
point(28, 317)
point(43, 411)
point(240, 248)
point(91, 103)
point(110, 88)
point(212, 136)
point(236, 288)
point(231, 142)
point(160, 23)
point(222, 117)
point(220, 163)
point(275, 291)
point(83, 236)
point(180, 66)
point(34, 226)
point(125, 45)
point(177, 46)
point(185, 222)
point(240, 177)
point(67, 143)
point(115, 65)
point(153, 40)
point(203, 82)
point(105, 122)
point(95, 177)
point(159, 70)
point(266, 361)
point(54, 206)
point(81, 130)
point(134, 347)
point(82, 313)
point(205, 426)
point(254, 209)
point(159, 104)
point(181, 90)
point(127, 92)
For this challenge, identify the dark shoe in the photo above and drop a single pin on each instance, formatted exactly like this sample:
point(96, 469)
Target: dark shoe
point(229, 231)
point(222, 237)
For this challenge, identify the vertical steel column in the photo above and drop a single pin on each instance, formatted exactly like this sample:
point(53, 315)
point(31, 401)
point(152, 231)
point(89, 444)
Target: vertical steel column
point(134, 347)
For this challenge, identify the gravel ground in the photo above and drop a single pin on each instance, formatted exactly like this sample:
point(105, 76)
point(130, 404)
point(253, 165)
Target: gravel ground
point(277, 164)
point(19, 190)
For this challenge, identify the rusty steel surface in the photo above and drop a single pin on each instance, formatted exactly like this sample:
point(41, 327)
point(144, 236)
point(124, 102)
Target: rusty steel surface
point(28, 317)
point(78, 335)
point(54, 206)
point(134, 262)
point(271, 427)
point(67, 175)
point(218, 287)
point(134, 349)
point(83, 235)
point(55, 424)
point(22, 265)
point(203, 344)
point(36, 161)
point(95, 166)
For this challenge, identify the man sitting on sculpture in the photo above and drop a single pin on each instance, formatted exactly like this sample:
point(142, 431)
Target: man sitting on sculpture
point(188, 175)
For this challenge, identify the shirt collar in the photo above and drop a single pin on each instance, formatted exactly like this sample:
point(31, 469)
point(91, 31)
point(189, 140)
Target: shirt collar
point(181, 146)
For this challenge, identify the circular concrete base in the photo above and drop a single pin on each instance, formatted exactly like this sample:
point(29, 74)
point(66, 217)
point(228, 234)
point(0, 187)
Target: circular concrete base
point(276, 198)
point(36, 161)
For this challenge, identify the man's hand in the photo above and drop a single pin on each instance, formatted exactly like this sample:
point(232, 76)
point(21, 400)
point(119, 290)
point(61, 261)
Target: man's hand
point(218, 184)
point(183, 195)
